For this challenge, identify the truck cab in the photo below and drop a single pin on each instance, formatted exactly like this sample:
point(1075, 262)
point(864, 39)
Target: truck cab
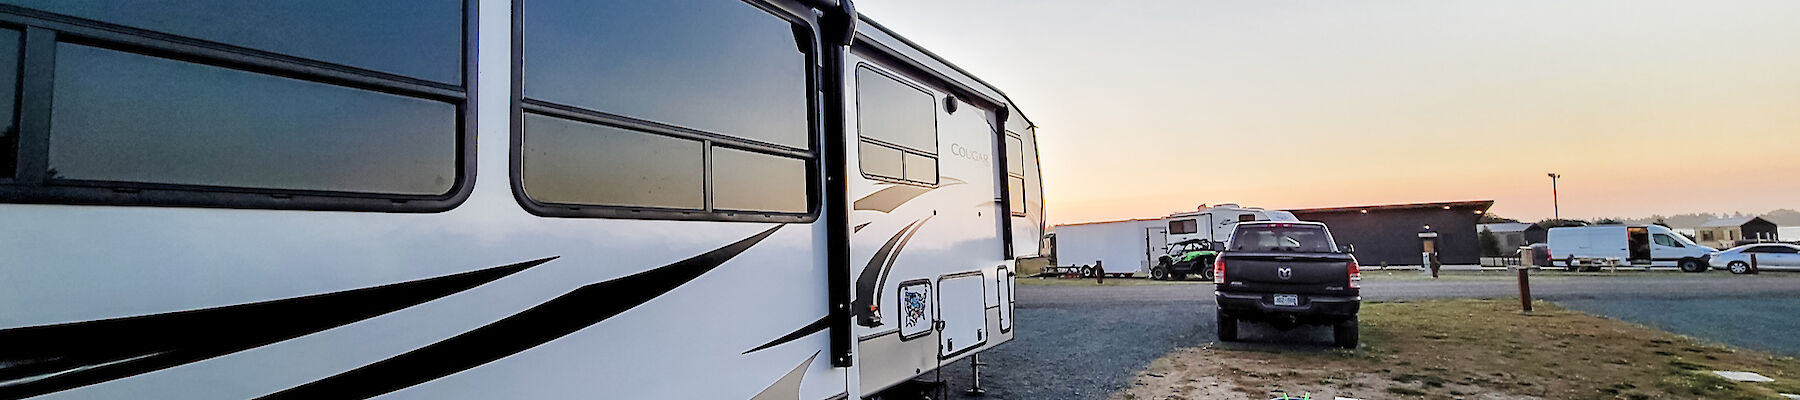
point(1287, 274)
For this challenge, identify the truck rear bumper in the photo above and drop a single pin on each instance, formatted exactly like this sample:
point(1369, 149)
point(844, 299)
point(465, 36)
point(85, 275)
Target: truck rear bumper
point(1312, 308)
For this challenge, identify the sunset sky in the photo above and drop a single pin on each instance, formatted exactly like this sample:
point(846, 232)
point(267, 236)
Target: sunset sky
point(1644, 106)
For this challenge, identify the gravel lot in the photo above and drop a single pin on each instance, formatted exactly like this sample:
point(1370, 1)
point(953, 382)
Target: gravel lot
point(1084, 342)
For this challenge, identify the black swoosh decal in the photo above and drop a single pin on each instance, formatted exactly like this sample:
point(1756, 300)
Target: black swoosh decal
point(871, 275)
point(804, 331)
point(578, 309)
point(869, 292)
point(51, 358)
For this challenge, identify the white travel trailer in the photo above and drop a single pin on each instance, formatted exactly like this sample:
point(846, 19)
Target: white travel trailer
point(1215, 224)
point(1641, 245)
point(1133, 247)
point(484, 199)
point(1126, 247)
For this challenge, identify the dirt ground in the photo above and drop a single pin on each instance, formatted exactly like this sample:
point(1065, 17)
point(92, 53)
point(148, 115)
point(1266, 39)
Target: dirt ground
point(1470, 349)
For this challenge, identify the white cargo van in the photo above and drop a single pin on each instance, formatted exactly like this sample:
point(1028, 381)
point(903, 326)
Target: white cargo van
point(1639, 245)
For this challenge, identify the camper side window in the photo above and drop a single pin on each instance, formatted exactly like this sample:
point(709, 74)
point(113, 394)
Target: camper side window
point(1015, 174)
point(331, 104)
point(1183, 227)
point(897, 125)
point(665, 110)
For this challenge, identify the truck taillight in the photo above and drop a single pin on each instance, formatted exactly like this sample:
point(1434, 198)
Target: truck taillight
point(1219, 270)
point(1355, 275)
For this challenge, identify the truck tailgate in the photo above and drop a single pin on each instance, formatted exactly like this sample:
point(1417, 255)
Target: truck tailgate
point(1288, 273)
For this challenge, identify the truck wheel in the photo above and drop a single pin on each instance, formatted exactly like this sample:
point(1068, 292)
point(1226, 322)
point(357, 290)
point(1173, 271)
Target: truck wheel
point(1086, 272)
point(1739, 267)
point(1158, 274)
point(1228, 328)
point(1692, 265)
point(1344, 334)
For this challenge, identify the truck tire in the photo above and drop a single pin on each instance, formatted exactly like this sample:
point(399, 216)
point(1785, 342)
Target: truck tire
point(1228, 328)
point(1692, 265)
point(1158, 273)
point(1344, 334)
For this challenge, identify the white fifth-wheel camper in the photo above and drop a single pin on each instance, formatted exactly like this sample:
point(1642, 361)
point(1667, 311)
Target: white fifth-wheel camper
point(491, 199)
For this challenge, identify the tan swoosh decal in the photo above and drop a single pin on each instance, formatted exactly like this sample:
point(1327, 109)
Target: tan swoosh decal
point(788, 387)
point(889, 198)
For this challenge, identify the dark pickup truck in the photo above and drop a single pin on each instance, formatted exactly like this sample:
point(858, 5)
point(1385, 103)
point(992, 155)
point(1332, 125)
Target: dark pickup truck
point(1287, 274)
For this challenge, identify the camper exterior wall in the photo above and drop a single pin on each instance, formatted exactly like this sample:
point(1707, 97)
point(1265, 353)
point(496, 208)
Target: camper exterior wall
point(482, 294)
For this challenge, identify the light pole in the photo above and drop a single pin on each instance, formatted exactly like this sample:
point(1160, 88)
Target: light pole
point(1555, 204)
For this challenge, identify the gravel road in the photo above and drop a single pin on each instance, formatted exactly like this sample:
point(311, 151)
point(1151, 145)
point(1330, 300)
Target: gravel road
point(1084, 342)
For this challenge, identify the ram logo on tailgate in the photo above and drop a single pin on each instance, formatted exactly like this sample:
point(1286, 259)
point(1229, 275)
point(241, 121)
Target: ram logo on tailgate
point(1285, 272)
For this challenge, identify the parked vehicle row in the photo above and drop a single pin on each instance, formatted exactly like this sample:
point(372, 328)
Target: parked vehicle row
point(1143, 247)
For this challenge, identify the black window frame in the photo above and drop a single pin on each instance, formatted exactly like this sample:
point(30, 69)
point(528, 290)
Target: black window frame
point(43, 31)
point(1024, 183)
point(936, 139)
point(811, 155)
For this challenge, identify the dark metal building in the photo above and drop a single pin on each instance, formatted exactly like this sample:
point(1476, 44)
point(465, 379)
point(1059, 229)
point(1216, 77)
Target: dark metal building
point(1511, 235)
point(1398, 234)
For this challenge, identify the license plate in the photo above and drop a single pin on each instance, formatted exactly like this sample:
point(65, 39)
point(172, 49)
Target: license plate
point(1287, 300)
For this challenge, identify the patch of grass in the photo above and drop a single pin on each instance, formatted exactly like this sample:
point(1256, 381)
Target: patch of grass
point(1435, 348)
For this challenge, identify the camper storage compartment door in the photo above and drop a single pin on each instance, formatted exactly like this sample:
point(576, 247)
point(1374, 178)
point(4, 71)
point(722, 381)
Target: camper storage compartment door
point(962, 301)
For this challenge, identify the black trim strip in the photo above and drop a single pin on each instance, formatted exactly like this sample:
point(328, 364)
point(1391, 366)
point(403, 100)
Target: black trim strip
point(804, 331)
point(52, 358)
point(566, 314)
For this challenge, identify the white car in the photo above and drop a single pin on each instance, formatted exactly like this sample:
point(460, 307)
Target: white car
point(1771, 256)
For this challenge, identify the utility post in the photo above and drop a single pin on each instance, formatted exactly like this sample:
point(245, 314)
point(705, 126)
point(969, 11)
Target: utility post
point(1555, 203)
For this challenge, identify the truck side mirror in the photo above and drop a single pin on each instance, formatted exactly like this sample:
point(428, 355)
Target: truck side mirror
point(1216, 246)
point(1348, 248)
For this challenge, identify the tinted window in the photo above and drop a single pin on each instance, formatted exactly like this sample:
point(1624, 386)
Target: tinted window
point(880, 160)
point(1665, 240)
point(921, 168)
point(721, 66)
point(893, 112)
point(749, 181)
point(1309, 239)
point(126, 117)
point(1182, 227)
point(417, 38)
point(1015, 188)
point(581, 163)
point(9, 97)
point(1015, 156)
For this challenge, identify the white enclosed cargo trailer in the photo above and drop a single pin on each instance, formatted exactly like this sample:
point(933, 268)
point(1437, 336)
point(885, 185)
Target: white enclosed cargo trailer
point(1124, 246)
